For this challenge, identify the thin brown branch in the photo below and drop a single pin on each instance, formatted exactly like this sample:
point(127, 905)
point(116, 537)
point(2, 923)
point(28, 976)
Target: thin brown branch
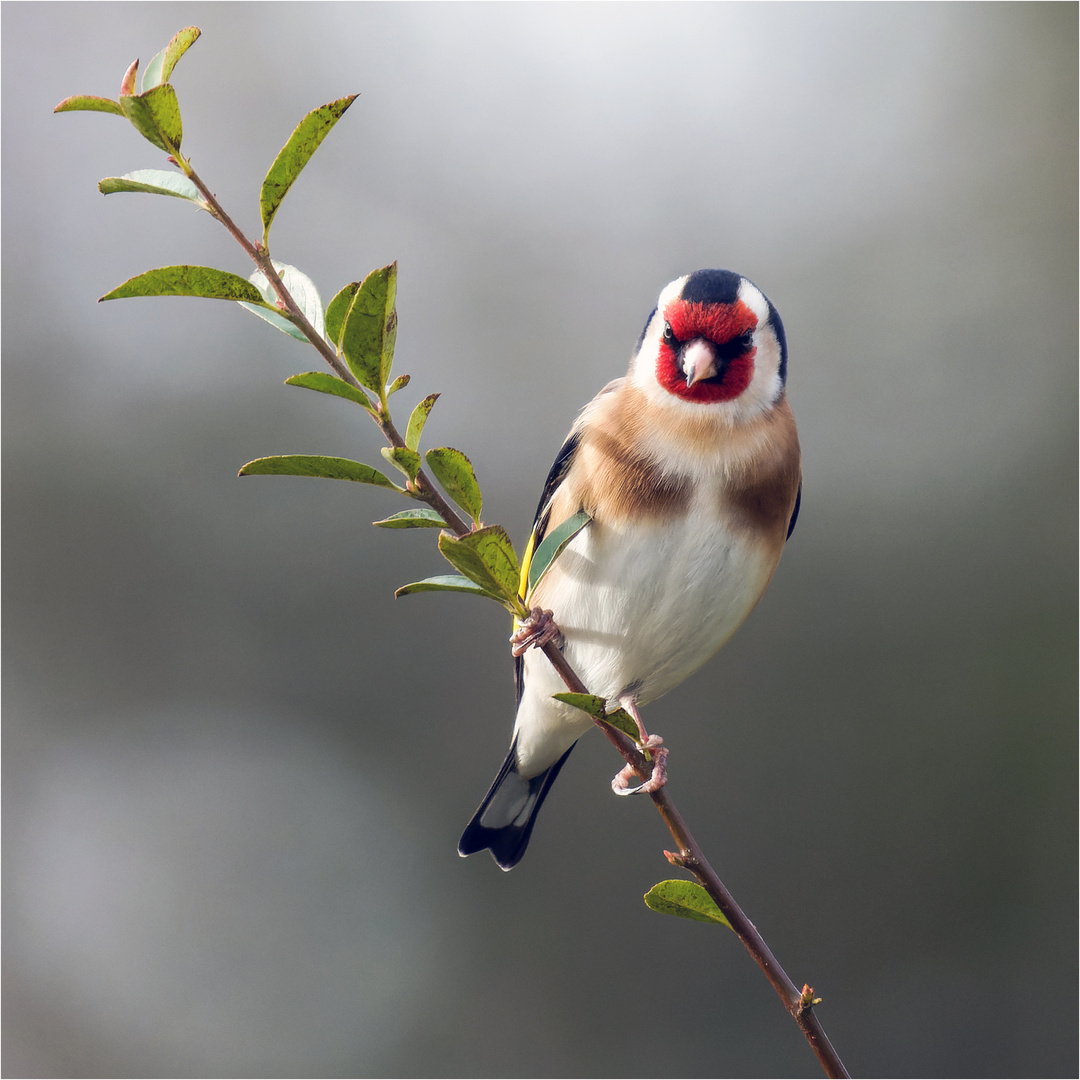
point(690, 856)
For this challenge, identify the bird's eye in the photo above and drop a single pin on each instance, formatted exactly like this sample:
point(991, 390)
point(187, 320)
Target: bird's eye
point(669, 335)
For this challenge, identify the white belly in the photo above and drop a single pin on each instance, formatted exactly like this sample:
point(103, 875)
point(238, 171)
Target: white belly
point(640, 610)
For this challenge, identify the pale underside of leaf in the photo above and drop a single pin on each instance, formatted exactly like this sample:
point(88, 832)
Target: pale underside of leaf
point(153, 182)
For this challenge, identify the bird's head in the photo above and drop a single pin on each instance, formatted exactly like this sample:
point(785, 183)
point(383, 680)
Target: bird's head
point(713, 340)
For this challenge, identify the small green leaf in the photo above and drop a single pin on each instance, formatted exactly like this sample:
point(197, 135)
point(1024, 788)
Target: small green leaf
point(553, 544)
point(89, 103)
point(404, 459)
point(455, 472)
point(303, 291)
point(328, 468)
point(487, 557)
point(156, 116)
point(621, 719)
point(295, 154)
point(153, 182)
point(445, 583)
point(367, 338)
point(686, 899)
point(203, 281)
point(161, 67)
point(337, 312)
point(326, 383)
point(420, 518)
point(398, 384)
point(418, 420)
point(592, 704)
point(596, 707)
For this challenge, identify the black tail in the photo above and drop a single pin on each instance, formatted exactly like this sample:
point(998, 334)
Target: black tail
point(505, 820)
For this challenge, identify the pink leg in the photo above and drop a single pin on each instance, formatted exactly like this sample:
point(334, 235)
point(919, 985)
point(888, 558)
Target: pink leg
point(535, 632)
point(655, 745)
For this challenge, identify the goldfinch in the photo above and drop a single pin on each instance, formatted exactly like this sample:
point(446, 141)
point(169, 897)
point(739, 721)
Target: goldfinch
point(689, 470)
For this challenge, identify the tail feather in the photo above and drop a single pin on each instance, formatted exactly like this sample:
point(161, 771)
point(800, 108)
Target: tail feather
point(505, 820)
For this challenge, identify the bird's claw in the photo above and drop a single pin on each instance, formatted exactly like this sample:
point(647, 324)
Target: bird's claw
point(534, 632)
point(658, 778)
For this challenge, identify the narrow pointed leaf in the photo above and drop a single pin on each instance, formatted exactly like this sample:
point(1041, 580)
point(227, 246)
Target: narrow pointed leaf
point(404, 459)
point(327, 468)
point(553, 544)
point(156, 116)
point(153, 182)
point(687, 900)
point(445, 583)
point(487, 557)
point(592, 704)
point(418, 420)
point(89, 103)
point(420, 518)
point(621, 719)
point(326, 383)
point(202, 281)
point(455, 472)
point(596, 707)
point(295, 154)
point(303, 291)
point(367, 339)
point(337, 311)
point(161, 67)
point(398, 384)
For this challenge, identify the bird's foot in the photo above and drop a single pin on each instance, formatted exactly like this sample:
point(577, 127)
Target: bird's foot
point(621, 783)
point(534, 632)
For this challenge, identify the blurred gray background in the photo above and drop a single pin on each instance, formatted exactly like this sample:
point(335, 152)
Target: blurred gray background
point(237, 767)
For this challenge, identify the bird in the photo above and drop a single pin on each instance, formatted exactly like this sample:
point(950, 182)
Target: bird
point(689, 471)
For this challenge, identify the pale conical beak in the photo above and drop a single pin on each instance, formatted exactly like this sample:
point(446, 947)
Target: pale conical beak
point(698, 361)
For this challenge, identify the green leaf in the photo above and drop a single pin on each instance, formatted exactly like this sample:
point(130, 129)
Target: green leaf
point(592, 704)
point(161, 67)
point(401, 457)
point(337, 311)
point(367, 339)
point(156, 116)
point(445, 583)
point(202, 281)
point(328, 468)
point(153, 182)
point(687, 900)
point(418, 420)
point(455, 472)
point(89, 103)
point(420, 518)
point(621, 719)
point(398, 384)
point(487, 557)
point(295, 154)
point(596, 707)
point(553, 544)
point(326, 383)
point(303, 291)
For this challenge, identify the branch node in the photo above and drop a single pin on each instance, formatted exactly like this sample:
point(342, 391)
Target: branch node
point(806, 1000)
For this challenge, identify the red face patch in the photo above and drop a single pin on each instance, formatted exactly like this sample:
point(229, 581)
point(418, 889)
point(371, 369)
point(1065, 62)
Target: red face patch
point(721, 324)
